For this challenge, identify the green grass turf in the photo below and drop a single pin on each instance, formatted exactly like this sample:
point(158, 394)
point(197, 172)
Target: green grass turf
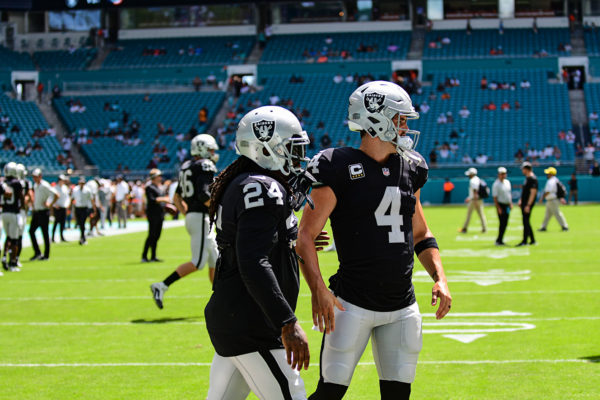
point(105, 283)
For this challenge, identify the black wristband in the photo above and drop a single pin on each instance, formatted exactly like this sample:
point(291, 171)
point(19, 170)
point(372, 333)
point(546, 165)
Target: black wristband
point(425, 244)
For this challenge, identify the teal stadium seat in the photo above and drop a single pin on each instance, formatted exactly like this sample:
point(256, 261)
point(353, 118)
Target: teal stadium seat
point(29, 118)
point(496, 133)
point(176, 110)
point(212, 51)
point(514, 43)
point(290, 48)
point(63, 60)
point(15, 61)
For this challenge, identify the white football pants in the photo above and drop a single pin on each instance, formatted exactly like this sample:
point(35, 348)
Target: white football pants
point(396, 337)
point(266, 373)
point(202, 240)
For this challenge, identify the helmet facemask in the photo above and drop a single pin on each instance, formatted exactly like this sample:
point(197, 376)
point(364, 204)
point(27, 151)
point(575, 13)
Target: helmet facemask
point(405, 139)
point(291, 153)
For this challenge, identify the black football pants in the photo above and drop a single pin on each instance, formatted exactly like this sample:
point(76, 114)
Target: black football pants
point(503, 221)
point(60, 215)
point(81, 214)
point(40, 219)
point(154, 230)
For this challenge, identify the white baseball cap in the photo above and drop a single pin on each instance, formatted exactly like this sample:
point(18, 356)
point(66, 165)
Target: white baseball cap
point(501, 170)
point(471, 171)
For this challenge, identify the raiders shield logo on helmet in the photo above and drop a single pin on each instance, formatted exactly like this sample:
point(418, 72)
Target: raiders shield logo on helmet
point(263, 130)
point(374, 102)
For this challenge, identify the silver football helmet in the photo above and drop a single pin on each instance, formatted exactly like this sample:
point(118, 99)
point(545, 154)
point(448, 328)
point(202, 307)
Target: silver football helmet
point(372, 109)
point(21, 171)
point(10, 170)
point(272, 137)
point(204, 146)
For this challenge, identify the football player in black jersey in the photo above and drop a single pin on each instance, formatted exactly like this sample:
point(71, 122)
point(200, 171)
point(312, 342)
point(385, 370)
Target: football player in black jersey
point(192, 198)
point(10, 217)
point(250, 316)
point(371, 195)
point(5, 193)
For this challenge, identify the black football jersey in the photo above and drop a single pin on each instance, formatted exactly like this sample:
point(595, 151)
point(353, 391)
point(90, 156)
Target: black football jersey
point(256, 280)
point(14, 203)
point(195, 177)
point(372, 224)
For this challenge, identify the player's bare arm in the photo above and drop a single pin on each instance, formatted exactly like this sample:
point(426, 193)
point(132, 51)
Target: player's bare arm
point(180, 204)
point(431, 260)
point(296, 345)
point(311, 226)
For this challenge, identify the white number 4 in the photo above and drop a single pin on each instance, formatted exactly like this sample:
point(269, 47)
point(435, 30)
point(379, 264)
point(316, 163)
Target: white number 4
point(253, 190)
point(391, 201)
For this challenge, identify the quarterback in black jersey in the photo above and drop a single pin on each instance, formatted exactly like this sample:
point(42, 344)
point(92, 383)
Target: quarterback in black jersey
point(371, 195)
point(250, 316)
point(192, 198)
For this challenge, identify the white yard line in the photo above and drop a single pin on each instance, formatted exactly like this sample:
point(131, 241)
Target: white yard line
point(200, 364)
point(204, 296)
point(508, 319)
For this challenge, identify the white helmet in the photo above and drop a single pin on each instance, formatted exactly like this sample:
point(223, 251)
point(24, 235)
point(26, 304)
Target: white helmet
point(372, 108)
point(204, 146)
point(10, 169)
point(21, 171)
point(272, 137)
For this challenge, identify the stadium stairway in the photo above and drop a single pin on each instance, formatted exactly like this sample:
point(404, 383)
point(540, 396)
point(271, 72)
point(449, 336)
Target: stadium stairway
point(255, 54)
point(52, 117)
point(100, 57)
point(577, 41)
point(417, 43)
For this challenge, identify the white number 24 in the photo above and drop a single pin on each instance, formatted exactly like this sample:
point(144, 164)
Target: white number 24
point(391, 202)
point(253, 190)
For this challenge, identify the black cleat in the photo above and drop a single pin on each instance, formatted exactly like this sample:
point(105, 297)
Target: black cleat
point(36, 257)
point(521, 244)
point(156, 260)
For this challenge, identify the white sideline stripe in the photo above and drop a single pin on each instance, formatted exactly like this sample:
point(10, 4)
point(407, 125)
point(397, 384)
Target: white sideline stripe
point(188, 364)
point(457, 323)
point(112, 280)
point(482, 293)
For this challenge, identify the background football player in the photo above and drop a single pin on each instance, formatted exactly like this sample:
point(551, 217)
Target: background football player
point(11, 208)
point(250, 316)
point(27, 202)
point(371, 195)
point(192, 198)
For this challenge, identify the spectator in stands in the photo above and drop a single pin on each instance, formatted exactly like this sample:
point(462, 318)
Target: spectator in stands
point(481, 159)
point(588, 154)
point(490, 107)
point(525, 84)
point(15, 129)
point(466, 159)
point(296, 79)
point(211, 79)
point(197, 82)
point(517, 105)
point(274, 99)
point(570, 136)
point(160, 128)
point(593, 116)
point(464, 112)
point(449, 117)
point(519, 156)
point(445, 96)
point(203, 116)
point(40, 91)
point(5, 120)
point(113, 124)
point(433, 157)
point(56, 92)
point(445, 151)
point(441, 119)
point(446, 41)
point(595, 169)
point(493, 85)
point(505, 106)
point(325, 141)
point(424, 108)
point(147, 98)
point(483, 83)
point(338, 78)
point(37, 146)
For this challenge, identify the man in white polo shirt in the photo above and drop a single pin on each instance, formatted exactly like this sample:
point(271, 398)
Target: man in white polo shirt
point(44, 197)
point(475, 203)
point(121, 192)
point(553, 201)
point(82, 198)
point(501, 192)
point(61, 206)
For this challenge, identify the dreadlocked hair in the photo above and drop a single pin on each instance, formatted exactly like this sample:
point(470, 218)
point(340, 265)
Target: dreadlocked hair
point(240, 165)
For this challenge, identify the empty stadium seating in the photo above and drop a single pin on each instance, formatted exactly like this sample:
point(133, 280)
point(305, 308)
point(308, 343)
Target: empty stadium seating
point(12, 60)
point(290, 48)
point(544, 111)
point(514, 43)
point(63, 59)
point(180, 52)
point(176, 110)
point(592, 42)
point(28, 117)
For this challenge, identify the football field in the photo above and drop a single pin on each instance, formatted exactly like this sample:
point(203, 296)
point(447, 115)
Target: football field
point(525, 322)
